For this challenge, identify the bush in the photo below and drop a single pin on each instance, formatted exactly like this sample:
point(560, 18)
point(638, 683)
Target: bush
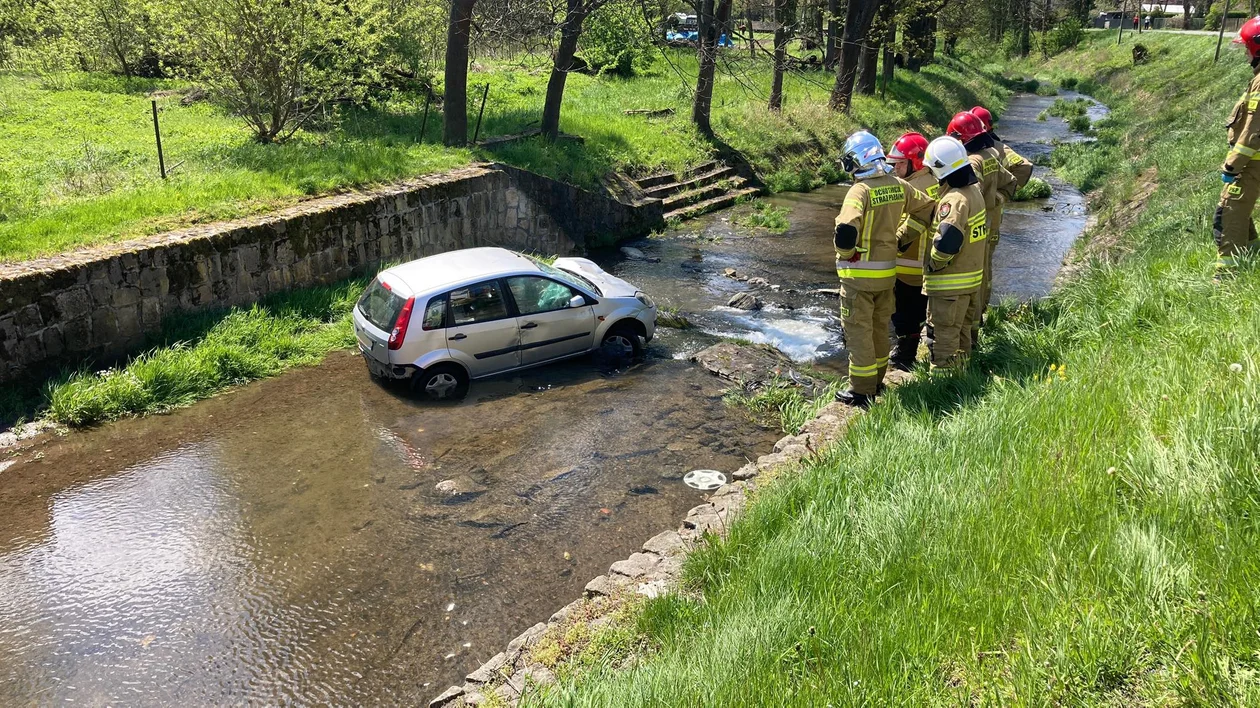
point(1064, 36)
point(1079, 123)
point(765, 215)
point(614, 40)
point(1035, 189)
point(1068, 83)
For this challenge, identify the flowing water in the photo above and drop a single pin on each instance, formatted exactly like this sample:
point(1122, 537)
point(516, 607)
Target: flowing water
point(288, 543)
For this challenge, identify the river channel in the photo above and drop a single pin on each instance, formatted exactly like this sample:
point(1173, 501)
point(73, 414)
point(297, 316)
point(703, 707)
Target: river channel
point(288, 542)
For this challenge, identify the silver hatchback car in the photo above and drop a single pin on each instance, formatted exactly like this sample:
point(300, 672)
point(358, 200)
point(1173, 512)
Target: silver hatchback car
point(444, 320)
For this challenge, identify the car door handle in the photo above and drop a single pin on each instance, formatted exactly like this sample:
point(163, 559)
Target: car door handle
point(529, 325)
point(458, 336)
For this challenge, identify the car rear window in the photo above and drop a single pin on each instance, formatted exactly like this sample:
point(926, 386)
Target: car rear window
point(380, 306)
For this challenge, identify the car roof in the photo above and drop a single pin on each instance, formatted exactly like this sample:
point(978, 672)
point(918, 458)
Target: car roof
point(455, 267)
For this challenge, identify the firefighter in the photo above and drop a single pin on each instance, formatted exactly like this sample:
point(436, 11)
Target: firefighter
point(1233, 228)
point(1019, 167)
point(866, 260)
point(996, 184)
point(954, 269)
point(910, 313)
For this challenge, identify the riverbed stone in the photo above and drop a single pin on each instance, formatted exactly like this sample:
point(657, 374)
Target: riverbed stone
point(600, 586)
point(461, 487)
point(748, 471)
point(527, 638)
point(486, 672)
point(636, 566)
point(744, 301)
point(665, 544)
point(448, 697)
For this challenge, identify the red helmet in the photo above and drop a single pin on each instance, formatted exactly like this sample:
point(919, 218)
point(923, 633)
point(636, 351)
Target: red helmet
point(1249, 36)
point(909, 147)
point(986, 118)
point(965, 126)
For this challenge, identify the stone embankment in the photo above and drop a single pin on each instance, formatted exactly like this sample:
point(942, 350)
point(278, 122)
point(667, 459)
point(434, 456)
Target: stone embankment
point(530, 658)
point(101, 303)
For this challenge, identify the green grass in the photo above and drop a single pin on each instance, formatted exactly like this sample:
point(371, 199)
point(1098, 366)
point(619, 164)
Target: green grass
point(81, 168)
point(1072, 520)
point(204, 355)
point(1036, 188)
point(763, 214)
point(783, 403)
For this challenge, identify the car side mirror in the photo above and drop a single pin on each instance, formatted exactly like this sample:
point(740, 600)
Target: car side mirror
point(577, 301)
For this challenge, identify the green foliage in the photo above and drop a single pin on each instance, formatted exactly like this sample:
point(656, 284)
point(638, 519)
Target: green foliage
point(763, 214)
point(1065, 35)
point(1068, 83)
point(614, 40)
point(1065, 108)
point(783, 403)
point(207, 354)
point(1036, 188)
point(1070, 521)
point(1212, 21)
point(1079, 123)
point(1047, 89)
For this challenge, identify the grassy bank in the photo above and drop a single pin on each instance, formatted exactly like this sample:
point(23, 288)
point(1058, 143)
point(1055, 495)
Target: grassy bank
point(81, 167)
point(1074, 520)
point(197, 357)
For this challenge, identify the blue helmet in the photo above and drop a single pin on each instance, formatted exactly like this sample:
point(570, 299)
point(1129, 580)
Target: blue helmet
point(863, 155)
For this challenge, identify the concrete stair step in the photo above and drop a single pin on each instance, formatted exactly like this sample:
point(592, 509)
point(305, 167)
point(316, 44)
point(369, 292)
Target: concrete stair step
point(701, 180)
point(702, 193)
point(660, 178)
point(691, 211)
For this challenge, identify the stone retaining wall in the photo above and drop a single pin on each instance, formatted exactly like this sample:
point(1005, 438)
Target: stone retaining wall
point(99, 304)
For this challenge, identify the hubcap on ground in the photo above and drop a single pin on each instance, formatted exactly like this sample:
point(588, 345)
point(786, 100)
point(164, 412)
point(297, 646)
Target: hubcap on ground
point(441, 386)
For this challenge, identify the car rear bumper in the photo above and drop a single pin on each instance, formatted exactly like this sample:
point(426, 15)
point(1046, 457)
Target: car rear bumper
point(386, 371)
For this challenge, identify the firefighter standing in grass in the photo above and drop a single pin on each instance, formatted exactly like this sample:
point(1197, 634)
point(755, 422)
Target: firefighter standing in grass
point(997, 185)
point(1233, 228)
point(1019, 167)
point(954, 270)
point(866, 260)
point(906, 158)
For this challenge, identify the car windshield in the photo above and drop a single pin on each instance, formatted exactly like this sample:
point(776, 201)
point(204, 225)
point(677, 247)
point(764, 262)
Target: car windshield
point(380, 305)
point(566, 276)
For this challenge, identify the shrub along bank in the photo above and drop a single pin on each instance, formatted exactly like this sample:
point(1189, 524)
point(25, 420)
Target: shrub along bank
point(1072, 520)
point(81, 168)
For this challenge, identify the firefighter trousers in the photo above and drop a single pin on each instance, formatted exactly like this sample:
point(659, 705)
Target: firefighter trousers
point(865, 315)
point(1233, 228)
point(908, 319)
point(951, 321)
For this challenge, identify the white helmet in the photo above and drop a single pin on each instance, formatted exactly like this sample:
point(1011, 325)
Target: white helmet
point(945, 156)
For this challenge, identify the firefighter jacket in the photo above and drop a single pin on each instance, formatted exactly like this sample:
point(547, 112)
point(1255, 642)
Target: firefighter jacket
point(996, 184)
point(955, 264)
point(911, 246)
point(866, 230)
point(1244, 129)
point(1015, 163)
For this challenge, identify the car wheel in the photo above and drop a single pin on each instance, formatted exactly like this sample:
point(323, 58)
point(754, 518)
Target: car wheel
point(444, 382)
point(623, 341)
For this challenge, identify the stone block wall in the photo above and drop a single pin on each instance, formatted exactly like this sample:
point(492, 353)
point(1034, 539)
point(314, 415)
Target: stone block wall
point(98, 304)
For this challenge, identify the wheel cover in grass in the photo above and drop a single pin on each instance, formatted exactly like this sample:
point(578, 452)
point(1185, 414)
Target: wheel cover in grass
point(441, 386)
point(704, 480)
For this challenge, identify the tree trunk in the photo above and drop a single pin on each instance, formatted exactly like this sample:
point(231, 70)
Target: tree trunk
point(1025, 27)
point(833, 34)
point(712, 19)
point(917, 32)
point(569, 33)
point(868, 66)
point(780, 53)
point(890, 39)
point(930, 40)
point(455, 102)
point(857, 24)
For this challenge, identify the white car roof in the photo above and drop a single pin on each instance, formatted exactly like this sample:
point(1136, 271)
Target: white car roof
point(454, 267)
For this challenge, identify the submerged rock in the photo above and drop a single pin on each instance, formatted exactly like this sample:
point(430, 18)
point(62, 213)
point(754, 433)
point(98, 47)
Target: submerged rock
point(674, 320)
point(759, 282)
point(745, 301)
point(635, 254)
point(459, 488)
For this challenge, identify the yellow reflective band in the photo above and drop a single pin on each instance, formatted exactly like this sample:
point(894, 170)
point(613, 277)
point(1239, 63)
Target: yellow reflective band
point(881, 361)
point(1243, 150)
point(855, 203)
point(934, 191)
point(862, 370)
point(909, 270)
point(916, 225)
point(864, 273)
point(956, 276)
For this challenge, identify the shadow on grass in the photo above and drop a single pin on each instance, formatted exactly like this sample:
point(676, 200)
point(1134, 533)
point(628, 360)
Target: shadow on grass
point(1010, 349)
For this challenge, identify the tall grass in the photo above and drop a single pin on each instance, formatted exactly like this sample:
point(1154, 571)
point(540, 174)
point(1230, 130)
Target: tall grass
point(203, 355)
point(1073, 520)
point(783, 403)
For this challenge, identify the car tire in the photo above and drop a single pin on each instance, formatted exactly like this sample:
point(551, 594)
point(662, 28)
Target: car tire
point(442, 382)
point(622, 341)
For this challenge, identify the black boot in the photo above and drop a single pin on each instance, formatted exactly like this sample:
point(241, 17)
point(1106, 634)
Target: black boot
point(853, 398)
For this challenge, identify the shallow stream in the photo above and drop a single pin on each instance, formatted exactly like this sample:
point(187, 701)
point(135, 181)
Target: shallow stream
point(288, 542)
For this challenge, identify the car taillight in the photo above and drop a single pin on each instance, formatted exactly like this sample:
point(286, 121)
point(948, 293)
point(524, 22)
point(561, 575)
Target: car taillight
point(400, 325)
